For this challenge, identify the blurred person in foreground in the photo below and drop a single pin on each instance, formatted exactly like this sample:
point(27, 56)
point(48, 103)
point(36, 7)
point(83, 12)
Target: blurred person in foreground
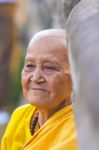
point(47, 122)
point(83, 21)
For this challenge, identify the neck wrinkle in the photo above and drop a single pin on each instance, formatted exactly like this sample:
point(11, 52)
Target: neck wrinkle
point(44, 115)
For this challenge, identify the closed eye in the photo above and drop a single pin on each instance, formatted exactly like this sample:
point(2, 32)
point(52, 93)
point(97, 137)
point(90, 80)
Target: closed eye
point(29, 67)
point(50, 68)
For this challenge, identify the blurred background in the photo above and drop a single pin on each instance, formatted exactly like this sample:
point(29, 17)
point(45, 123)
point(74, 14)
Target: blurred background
point(19, 20)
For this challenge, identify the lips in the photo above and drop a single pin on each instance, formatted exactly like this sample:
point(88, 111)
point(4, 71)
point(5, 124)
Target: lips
point(38, 89)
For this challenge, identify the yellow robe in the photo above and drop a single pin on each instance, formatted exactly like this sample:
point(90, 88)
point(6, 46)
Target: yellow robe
point(18, 129)
point(58, 133)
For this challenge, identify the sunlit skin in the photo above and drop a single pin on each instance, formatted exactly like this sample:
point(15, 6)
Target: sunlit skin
point(46, 80)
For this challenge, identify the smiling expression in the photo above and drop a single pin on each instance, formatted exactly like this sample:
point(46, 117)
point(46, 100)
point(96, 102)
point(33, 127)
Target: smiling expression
point(46, 80)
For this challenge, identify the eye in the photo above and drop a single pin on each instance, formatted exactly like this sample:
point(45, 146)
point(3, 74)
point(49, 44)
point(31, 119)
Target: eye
point(50, 68)
point(29, 67)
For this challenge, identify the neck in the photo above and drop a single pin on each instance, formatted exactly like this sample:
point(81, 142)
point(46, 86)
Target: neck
point(45, 114)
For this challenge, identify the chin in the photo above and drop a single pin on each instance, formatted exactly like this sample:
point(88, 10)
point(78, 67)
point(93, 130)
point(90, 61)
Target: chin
point(39, 103)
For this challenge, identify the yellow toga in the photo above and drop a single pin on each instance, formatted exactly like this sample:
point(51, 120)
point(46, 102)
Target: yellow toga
point(57, 133)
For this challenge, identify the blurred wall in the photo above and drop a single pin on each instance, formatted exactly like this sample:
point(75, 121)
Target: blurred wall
point(7, 44)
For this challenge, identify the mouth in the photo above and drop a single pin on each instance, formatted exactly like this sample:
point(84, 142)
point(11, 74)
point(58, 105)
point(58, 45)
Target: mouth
point(38, 89)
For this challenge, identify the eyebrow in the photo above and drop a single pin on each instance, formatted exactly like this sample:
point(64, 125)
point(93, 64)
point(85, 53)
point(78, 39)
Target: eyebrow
point(45, 60)
point(29, 59)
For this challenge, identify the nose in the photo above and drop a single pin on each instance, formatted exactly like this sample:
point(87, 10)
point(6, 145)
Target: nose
point(37, 76)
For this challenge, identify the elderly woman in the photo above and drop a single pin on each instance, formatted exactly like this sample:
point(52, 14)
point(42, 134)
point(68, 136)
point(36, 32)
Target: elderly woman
point(47, 122)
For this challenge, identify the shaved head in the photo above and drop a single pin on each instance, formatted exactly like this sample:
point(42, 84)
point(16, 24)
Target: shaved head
point(58, 33)
point(55, 37)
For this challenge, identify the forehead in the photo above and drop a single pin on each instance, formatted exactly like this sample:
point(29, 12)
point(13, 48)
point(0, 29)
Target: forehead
point(47, 45)
point(50, 48)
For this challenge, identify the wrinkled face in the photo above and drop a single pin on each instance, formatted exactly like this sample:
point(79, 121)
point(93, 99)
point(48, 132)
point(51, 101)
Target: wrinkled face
point(46, 79)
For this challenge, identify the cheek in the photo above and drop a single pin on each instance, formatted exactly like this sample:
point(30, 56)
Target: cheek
point(57, 84)
point(68, 84)
point(61, 85)
point(25, 80)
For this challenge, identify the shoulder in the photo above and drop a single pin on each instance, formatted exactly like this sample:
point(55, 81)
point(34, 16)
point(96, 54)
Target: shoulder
point(20, 114)
point(18, 117)
point(23, 110)
point(16, 124)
